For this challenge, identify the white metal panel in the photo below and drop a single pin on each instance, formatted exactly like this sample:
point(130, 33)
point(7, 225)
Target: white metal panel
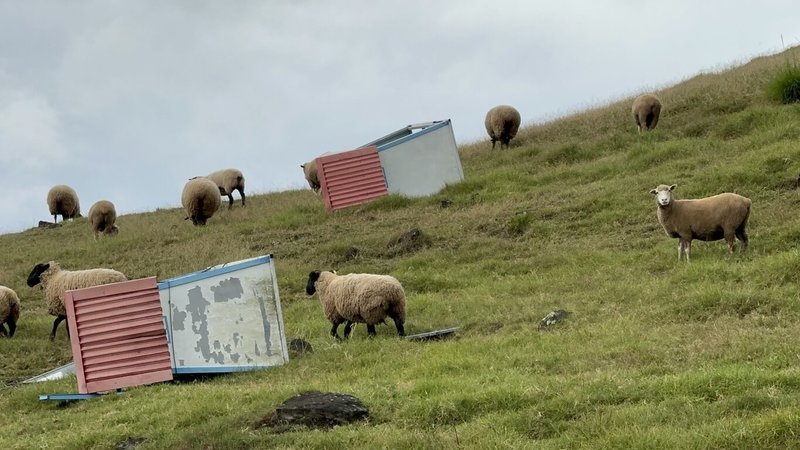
point(422, 163)
point(226, 318)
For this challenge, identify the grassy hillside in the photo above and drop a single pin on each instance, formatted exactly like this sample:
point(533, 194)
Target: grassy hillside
point(657, 353)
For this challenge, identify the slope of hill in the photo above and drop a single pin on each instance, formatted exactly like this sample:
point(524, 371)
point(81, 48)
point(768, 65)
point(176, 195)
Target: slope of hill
point(656, 354)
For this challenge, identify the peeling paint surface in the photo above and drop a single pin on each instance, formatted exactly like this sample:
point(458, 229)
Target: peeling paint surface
point(233, 320)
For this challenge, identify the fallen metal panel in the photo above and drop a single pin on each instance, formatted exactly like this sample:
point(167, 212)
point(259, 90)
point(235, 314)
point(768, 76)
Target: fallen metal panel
point(117, 335)
point(351, 178)
point(55, 374)
point(223, 320)
point(422, 163)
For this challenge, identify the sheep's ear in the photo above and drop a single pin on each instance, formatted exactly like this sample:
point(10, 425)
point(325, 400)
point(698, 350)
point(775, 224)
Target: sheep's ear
point(333, 272)
point(653, 191)
point(672, 187)
point(302, 166)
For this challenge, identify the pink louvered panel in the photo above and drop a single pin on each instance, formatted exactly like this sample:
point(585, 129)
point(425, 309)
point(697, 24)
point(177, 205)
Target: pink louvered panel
point(117, 335)
point(351, 178)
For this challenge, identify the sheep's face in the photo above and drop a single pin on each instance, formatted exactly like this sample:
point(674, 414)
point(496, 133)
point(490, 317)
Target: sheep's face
point(311, 287)
point(663, 194)
point(35, 277)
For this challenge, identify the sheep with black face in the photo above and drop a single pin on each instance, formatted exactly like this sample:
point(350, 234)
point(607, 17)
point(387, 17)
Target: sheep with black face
point(359, 298)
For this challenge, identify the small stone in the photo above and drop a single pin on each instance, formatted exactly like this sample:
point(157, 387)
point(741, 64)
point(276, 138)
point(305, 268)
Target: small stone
point(299, 346)
point(552, 318)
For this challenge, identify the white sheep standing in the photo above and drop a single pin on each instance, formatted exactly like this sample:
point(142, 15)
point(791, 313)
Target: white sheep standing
point(229, 180)
point(55, 282)
point(200, 199)
point(63, 200)
point(102, 218)
point(722, 216)
point(310, 171)
point(502, 123)
point(9, 311)
point(646, 109)
point(359, 298)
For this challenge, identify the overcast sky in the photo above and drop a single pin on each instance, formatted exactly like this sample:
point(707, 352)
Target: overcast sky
point(125, 100)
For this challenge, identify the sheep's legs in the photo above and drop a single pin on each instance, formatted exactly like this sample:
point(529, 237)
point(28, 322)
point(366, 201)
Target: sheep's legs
point(742, 235)
point(684, 248)
point(335, 329)
point(731, 240)
point(12, 326)
point(230, 201)
point(241, 193)
point(398, 324)
point(371, 330)
point(347, 328)
point(58, 320)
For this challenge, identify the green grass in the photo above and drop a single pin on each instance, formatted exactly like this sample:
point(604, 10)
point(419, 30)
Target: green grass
point(657, 353)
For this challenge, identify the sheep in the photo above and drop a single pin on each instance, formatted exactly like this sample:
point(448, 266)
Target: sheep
point(229, 180)
point(708, 219)
point(200, 199)
point(646, 109)
point(359, 298)
point(55, 281)
point(9, 311)
point(502, 123)
point(102, 218)
point(63, 200)
point(310, 171)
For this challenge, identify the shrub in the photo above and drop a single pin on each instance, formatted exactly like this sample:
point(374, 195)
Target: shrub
point(785, 87)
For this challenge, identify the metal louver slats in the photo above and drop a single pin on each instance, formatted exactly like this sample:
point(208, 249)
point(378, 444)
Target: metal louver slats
point(117, 335)
point(351, 178)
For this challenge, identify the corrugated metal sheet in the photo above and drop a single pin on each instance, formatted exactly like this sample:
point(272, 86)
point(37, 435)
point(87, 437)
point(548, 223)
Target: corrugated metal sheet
point(351, 178)
point(117, 335)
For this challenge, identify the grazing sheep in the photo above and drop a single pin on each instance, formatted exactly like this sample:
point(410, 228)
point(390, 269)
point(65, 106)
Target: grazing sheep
point(229, 180)
point(646, 109)
point(63, 200)
point(102, 218)
point(9, 311)
point(359, 298)
point(200, 199)
point(502, 123)
point(310, 171)
point(708, 219)
point(55, 281)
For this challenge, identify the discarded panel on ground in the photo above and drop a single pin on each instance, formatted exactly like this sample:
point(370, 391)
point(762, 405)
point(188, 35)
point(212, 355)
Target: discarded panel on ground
point(226, 318)
point(416, 160)
point(117, 335)
point(422, 162)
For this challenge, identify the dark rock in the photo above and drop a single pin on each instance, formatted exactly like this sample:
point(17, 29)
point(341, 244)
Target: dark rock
point(446, 203)
point(552, 318)
point(45, 224)
point(299, 346)
point(130, 443)
point(351, 254)
point(408, 242)
point(315, 410)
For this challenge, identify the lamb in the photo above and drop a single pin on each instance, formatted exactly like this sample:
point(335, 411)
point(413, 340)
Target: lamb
point(102, 218)
point(63, 200)
point(646, 109)
point(229, 180)
point(55, 281)
point(502, 123)
point(359, 298)
point(200, 199)
point(9, 311)
point(310, 171)
point(708, 219)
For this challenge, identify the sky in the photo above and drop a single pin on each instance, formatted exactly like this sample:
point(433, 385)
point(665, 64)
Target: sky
point(126, 100)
